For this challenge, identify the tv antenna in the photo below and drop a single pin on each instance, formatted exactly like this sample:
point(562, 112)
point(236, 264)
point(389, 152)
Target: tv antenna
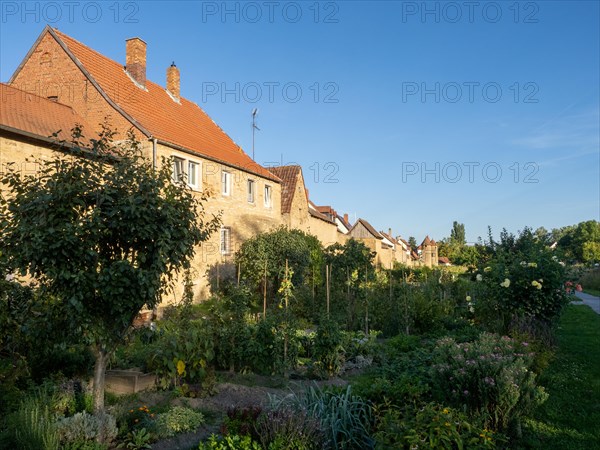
point(254, 127)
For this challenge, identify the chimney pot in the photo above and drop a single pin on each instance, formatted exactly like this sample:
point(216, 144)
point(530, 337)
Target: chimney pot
point(173, 81)
point(135, 59)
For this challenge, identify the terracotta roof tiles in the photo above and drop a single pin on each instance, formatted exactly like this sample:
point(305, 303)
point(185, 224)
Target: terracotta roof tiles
point(182, 124)
point(40, 117)
point(289, 176)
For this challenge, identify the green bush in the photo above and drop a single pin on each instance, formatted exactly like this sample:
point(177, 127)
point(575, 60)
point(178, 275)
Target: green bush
point(328, 351)
point(490, 377)
point(178, 419)
point(523, 278)
point(403, 374)
point(137, 440)
point(182, 352)
point(83, 429)
point(230, 442)
point(344, 418)
point(430, 426)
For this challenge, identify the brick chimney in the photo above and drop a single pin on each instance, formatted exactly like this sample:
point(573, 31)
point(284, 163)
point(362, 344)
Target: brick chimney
point(173, 81)
point(135, 60)
point(346, 218)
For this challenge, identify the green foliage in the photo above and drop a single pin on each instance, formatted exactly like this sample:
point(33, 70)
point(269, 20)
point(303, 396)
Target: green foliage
point(523, 278)
point(83, 428)
point(273, 249)
point(178, 419)
point(138, 439)
point(230, 317)
point(229, 442)
point(32, 425)
point(579, 242)
point(328, 351)
point(141, 417)
point(242, 421)
point(403, 374)
point(103, 231)
point(182, 352)
point(431, 426)
point(490, 377)
point(344, 418)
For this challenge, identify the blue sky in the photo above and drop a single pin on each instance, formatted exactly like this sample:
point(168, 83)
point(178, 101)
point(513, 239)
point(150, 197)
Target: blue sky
point(408, 114)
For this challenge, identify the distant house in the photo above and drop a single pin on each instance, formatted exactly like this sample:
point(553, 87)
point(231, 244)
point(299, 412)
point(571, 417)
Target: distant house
point(298, 211)
point(342, 222)
point(443, 261)
point(61, 82)
point(401, 253)
point(384, 249)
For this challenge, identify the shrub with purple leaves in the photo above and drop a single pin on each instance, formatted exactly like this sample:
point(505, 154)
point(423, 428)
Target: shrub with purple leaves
point(490, 378)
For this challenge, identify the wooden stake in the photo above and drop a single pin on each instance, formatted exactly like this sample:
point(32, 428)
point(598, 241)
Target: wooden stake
point(327, 272)
point(265, 293)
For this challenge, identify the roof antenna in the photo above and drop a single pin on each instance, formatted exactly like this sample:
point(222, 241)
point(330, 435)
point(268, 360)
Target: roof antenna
point(254, 127)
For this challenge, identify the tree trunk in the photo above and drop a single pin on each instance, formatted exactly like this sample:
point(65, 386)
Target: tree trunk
point(99, 377)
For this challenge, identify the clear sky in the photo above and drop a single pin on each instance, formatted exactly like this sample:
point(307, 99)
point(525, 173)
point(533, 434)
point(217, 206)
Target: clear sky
point(408, 114)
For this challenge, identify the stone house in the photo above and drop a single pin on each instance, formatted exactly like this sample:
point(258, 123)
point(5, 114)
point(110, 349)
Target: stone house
point(72, 83)
point(384, 249)
point(298, 211)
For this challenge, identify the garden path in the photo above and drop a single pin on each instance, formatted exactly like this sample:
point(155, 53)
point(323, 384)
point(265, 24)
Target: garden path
point(590, 300)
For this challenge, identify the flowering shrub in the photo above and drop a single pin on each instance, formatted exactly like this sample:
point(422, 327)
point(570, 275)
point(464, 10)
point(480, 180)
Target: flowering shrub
point(141, 417)
point(491, 377)
point(523, 278)
point(571, 287)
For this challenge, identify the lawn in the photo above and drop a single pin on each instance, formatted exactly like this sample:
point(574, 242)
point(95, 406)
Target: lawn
point(570, 419)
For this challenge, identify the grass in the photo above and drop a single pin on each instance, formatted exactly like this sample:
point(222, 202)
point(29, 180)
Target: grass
point(570, 419)
point(595, 292)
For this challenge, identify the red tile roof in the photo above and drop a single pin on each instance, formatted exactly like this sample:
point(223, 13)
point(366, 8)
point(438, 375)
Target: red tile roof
point(154, 111)
point(314, 211)
point(26, 113)
point(289, 176)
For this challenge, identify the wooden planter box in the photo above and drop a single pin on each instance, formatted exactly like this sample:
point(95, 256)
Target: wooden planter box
point(128, 381)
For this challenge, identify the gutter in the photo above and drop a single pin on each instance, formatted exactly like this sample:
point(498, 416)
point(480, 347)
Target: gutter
point(154, 153)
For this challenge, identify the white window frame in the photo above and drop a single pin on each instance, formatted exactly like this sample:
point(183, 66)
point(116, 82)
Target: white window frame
point(251, 190)
point(196, 183)
point(181, 169)
point(226, 183)
point(225, 240)
point(178, 169)
point(268, 193)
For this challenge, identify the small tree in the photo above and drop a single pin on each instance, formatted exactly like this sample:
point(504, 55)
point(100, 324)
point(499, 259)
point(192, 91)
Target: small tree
point(105, 232)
